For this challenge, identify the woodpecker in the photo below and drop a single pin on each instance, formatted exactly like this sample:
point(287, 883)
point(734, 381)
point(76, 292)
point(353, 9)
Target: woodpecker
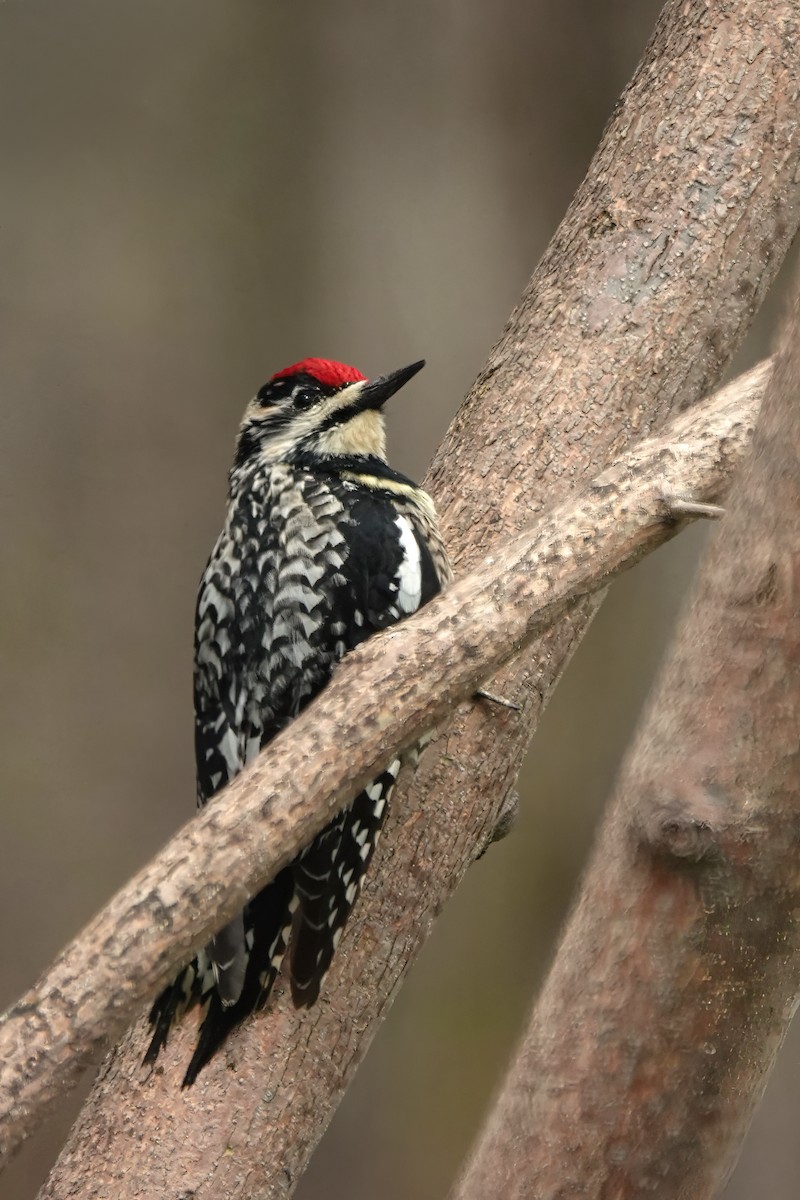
point(323, 545)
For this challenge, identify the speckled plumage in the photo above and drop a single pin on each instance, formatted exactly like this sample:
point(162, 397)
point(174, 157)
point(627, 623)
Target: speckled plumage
point(323, 544)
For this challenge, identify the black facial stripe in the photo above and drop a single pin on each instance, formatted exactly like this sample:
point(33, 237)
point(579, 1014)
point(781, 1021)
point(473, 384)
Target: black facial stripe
point(338, 418)
point(246, 445)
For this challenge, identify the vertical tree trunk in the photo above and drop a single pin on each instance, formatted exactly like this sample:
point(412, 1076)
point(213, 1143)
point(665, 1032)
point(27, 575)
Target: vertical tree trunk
point(680, 967)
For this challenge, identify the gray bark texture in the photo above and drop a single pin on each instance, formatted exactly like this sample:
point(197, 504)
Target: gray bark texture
point(635, 310)
point(679, 971)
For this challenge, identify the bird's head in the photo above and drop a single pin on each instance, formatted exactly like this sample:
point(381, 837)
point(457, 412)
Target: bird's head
point(321, 409)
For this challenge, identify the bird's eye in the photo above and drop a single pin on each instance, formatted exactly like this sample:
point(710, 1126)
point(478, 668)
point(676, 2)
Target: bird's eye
point(304, 398)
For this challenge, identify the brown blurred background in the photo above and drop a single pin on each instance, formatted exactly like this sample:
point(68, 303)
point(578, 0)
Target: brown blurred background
point(194, 194)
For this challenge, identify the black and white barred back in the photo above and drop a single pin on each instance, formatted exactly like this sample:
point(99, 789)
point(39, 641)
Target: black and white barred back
point(323, 545)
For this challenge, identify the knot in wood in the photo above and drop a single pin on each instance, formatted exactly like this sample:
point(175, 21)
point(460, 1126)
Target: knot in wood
point(683, 823)
point(685, 837)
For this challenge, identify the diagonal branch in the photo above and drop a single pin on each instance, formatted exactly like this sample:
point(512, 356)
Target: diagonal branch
point(259, 823)
point(646, 290)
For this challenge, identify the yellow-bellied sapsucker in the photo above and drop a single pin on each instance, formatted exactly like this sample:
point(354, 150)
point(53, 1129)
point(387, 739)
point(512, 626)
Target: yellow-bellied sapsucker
point(323, 545)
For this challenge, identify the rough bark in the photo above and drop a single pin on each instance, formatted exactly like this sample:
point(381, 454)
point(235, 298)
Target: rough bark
point(273, 809)
point(646, 290)
point(679, 971)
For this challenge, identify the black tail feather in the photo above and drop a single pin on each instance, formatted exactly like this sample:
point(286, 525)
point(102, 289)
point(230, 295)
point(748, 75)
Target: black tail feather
point(267, 921)
point(183, 993)
point(323, 883)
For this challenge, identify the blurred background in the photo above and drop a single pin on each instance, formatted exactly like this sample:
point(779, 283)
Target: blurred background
point(195, 194)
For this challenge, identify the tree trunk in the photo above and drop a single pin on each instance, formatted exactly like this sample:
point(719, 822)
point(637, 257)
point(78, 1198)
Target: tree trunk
point(679, 971)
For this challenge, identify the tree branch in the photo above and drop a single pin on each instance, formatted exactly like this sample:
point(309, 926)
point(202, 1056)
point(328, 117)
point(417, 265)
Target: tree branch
point(678, 974)
point(273, 808)
point(646, 290)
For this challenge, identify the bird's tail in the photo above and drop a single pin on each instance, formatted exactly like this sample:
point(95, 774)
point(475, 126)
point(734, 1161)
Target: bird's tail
point(267, 920)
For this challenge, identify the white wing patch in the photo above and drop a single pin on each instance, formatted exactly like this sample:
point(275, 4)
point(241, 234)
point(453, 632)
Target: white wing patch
point(228, 747)
point(409, 575)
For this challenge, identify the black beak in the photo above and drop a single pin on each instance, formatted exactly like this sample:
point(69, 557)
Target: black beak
point(377, 391)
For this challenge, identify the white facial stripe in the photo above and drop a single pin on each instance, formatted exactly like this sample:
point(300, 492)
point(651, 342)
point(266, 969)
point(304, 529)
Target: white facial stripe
point(363, 433)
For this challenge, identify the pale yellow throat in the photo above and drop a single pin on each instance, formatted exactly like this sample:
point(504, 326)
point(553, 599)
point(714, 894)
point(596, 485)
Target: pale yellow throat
point(362, 434)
